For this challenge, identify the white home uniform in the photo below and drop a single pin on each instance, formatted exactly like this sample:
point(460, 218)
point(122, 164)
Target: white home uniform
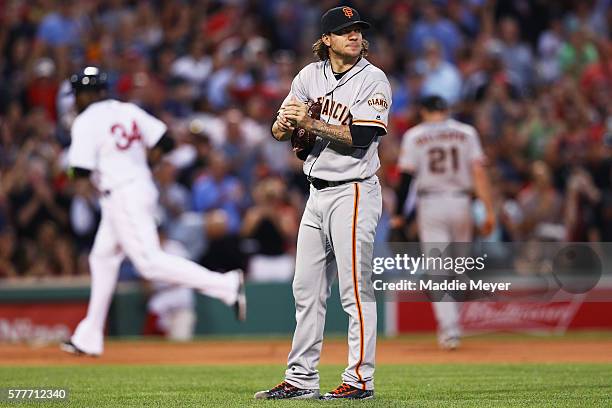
point(111, 138)
point(339, 221)
point(440, 155)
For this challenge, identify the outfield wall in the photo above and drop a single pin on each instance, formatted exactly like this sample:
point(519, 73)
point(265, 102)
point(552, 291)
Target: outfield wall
point(42, 312)
point(51, 311)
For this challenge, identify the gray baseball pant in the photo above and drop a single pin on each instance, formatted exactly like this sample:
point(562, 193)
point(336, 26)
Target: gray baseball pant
point(338, 224)
point(444, 219)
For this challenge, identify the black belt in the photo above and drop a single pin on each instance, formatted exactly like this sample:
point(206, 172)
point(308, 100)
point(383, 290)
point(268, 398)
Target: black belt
point(320, 184)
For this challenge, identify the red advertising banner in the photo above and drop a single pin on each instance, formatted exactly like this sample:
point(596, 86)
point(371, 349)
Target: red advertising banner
point(39, 322)
point(555, 317)
point(516, 316)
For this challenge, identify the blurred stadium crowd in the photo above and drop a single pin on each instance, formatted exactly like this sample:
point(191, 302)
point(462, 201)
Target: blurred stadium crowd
point(533, 76)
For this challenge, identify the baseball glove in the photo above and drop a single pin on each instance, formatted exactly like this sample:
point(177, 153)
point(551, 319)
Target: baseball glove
point(302, 140)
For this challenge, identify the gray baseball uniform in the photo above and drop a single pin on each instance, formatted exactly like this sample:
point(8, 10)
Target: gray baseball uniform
point(441, 157)
point(339, 221)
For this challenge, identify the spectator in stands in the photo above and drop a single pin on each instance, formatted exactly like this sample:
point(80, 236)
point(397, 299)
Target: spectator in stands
point(582, 201)
point(149, 33)
point(174, 198)
point(578, 52)
point(590, 14)
point(218, 189)
point(9, 257)
point(231, 74)
point(270, 228)
point(439, 77)
point(34, 201)
point(224, 251)
point(549, 46)
point(599, 225)
point(541, 208)
point(515, 54)
point(596, 79)
point(43, 88)
point(432, 25)
point(490, 71)
point(274, 157)
point(241, 144)
point(180, 98)
point(539, 128)
point(192, 154)
point(237, 60)
point(196, 66)
point(465, 15)
point(61, 27)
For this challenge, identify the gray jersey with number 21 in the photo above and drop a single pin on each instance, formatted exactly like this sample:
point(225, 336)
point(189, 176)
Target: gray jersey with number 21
point(441, 154)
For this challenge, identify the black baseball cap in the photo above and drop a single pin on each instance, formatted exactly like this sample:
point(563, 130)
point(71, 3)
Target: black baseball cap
point(341, 17)
point(433, 103)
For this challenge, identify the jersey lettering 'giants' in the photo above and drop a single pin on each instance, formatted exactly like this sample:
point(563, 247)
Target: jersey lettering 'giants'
point(335, 110)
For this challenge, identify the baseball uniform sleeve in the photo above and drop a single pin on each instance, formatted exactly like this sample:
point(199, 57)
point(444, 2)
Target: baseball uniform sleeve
point(82, 151)
point(298, 91)
point(151, 128)
point(371, 107)
point(476, 152)
point(408, 154)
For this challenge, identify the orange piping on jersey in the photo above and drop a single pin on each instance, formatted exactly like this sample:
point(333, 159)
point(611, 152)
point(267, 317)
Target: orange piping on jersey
point(371, 122)
point(355, 285)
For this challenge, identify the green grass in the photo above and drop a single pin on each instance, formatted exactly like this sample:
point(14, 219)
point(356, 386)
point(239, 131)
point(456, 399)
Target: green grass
point(466, 385)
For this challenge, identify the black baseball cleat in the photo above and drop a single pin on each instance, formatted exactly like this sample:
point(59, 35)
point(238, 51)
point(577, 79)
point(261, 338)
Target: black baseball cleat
point(346, 391)
point(285, 390)
point(69, 347)
point(240, 306)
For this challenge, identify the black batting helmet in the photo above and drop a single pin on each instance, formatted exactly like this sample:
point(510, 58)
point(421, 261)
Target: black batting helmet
point(89, 79)
point(433, 103)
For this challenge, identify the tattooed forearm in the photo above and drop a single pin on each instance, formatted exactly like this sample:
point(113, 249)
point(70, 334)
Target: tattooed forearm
point(334, 133)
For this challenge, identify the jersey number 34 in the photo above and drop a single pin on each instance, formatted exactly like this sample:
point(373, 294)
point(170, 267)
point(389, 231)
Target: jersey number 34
point(123, 139)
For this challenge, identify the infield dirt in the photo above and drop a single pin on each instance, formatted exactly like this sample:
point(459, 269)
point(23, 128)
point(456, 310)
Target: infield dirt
point(274, 351)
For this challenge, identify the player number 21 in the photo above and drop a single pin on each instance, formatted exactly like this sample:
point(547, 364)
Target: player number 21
point(438, 157)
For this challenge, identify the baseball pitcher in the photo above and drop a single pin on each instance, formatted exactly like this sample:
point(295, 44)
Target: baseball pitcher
point(110, 140)
point(339, 222)
point(446, 160)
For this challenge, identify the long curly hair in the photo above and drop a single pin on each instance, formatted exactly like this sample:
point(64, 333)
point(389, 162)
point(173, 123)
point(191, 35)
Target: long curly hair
point(322, 51)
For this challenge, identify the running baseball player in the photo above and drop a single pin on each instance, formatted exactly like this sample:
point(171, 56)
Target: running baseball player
point(110, 140)
point(446, 160)
point(344, 206)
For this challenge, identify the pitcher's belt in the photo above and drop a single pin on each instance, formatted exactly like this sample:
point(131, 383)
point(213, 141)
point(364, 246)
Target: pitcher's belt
point(320, 184)
point(453, 193)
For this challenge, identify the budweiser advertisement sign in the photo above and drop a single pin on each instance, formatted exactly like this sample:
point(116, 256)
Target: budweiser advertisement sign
point(494, 316)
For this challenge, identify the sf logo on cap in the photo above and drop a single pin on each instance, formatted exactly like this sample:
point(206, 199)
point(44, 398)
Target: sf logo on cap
point(347, 11)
